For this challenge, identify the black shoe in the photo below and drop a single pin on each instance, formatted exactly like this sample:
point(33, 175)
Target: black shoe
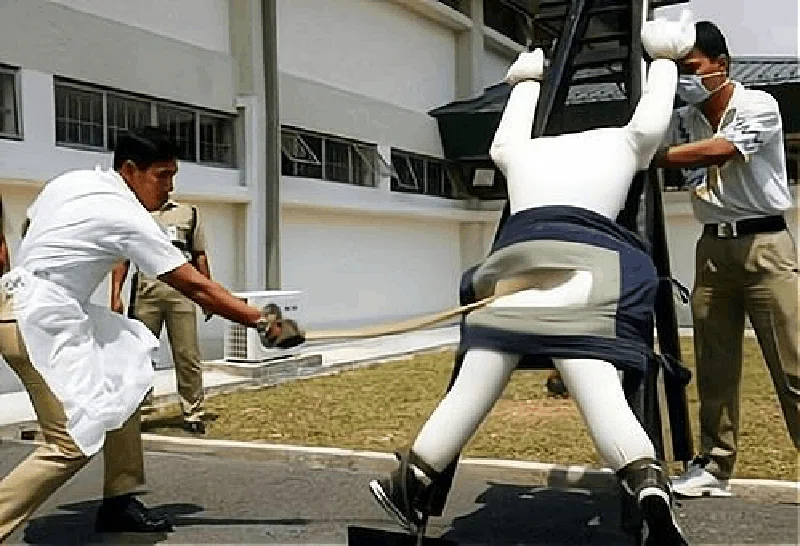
point(556, 387)
point(404, 496)
point(127, 514)
point(195, 427)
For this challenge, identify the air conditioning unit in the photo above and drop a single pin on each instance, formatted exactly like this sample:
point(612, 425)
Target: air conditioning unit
point(242, 344)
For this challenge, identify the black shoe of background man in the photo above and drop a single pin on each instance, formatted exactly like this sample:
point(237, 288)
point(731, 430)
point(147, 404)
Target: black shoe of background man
point(127, 514)
point(556, 387)
point(194, 427)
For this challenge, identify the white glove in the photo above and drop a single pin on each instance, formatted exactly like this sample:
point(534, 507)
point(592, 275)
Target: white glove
point(528, 66)
point(669, 39)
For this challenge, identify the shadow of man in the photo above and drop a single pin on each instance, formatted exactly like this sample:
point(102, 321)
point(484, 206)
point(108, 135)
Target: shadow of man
point(73, 524)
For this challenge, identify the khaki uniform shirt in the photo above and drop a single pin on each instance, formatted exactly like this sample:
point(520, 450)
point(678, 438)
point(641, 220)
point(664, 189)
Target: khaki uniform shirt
point(176, 220)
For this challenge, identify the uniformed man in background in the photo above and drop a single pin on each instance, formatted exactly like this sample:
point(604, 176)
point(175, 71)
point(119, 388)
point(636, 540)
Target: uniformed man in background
point(155, 303)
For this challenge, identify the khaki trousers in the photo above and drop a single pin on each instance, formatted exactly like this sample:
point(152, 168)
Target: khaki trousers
point(52, 464)
point(155, 304)
point(755, 275)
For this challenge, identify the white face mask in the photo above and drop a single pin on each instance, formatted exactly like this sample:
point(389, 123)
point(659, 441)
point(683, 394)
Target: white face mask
point(691, 88)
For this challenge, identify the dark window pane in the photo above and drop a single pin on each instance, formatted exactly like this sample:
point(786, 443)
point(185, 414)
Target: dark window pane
point(125, 114)
point(181, 126)
point(9, 121)
point(216, 139)
point(433, 179)
point(310, 170)
point(337, 161)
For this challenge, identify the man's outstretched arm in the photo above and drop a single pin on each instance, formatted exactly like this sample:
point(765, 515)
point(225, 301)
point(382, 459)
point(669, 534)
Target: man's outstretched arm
point(210, 295)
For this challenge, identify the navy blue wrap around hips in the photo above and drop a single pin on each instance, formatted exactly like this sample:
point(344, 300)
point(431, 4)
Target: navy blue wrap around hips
point(616, 323)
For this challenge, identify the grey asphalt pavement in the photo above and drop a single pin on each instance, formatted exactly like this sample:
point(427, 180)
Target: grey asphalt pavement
point(222, 500)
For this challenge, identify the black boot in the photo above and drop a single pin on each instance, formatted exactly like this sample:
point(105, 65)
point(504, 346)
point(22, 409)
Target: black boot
point(648, 485)
point(127, 514)
point(405, 496)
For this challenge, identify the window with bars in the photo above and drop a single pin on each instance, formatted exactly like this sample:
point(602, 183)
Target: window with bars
point(216, 140)
point(79, 116)
point(92, 117)
point(124, 114)
point(330, 158)
point(9, 104)
point(424, 175)
point(181, 126)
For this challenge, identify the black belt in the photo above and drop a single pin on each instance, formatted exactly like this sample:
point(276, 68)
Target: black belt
point(732, 230)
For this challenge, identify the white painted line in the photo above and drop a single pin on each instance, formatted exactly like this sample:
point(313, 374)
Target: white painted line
point(572, 471)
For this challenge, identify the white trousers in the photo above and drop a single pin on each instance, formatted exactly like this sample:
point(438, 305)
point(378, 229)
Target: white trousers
point(594, 385)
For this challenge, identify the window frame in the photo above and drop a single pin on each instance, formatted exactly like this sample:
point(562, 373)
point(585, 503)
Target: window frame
point(446, 174)
point(358, 152)
point(15, 74)
point(154, 104)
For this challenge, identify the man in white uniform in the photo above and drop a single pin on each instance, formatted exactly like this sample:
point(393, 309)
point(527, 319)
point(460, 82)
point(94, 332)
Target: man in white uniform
point(87, 369)
point(574, 288)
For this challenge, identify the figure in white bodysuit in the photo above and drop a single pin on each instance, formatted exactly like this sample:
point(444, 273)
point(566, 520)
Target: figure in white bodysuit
point(591, 170)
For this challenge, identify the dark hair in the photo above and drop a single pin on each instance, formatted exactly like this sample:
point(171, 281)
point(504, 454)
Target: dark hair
point(710, 40)
point(144, 147)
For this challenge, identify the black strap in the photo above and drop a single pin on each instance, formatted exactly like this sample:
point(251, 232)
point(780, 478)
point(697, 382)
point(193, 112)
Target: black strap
point(192, 227)
point(134, 283)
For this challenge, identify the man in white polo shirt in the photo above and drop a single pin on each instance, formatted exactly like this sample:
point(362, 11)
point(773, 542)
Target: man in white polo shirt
point(729, 144)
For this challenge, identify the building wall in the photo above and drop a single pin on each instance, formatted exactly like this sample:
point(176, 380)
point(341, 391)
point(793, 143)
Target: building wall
point(56, 39)
point(370, 71)
point(376, 49)
point(495, 67)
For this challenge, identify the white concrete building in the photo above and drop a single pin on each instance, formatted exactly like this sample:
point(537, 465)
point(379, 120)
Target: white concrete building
point(355, 80)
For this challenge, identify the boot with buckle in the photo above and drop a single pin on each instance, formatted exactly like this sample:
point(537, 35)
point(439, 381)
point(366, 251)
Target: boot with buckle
point(406, 493)
point(648, 485)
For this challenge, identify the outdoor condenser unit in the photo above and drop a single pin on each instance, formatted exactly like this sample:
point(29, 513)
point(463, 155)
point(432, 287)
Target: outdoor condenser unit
point(242, 344)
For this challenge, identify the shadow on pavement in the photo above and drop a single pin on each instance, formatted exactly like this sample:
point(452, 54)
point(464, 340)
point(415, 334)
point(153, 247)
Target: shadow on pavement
point(521, 515)
point(513, 514)
point(74, 525)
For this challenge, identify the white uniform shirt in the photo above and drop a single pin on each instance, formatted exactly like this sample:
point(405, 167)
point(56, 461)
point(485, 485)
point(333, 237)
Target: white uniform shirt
point(97, 363)
point(83, 223)
point(751, 186)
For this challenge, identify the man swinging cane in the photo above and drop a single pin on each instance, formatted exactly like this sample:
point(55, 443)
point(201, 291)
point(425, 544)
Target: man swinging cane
point(86, 368)
point(574, 287)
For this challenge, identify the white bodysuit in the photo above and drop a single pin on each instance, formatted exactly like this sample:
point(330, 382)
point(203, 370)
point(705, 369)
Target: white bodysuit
point(592, 170)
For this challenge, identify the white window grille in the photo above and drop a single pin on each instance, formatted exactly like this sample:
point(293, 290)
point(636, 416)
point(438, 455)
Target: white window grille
point(182, 126)
point(124, 114)
point(216, 140)
point(91, 117)
point(79, 116)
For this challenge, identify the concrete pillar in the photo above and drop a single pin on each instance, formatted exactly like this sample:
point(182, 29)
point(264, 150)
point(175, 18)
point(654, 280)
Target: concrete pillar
point(469, 54)
point(247, 49)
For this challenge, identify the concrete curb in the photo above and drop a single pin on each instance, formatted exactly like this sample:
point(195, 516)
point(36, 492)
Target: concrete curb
point(553, 475)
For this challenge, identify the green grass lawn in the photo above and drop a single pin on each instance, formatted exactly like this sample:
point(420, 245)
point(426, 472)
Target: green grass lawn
point(382, 407)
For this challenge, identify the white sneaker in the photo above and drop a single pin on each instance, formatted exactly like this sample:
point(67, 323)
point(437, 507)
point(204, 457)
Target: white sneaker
point(699, 482)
